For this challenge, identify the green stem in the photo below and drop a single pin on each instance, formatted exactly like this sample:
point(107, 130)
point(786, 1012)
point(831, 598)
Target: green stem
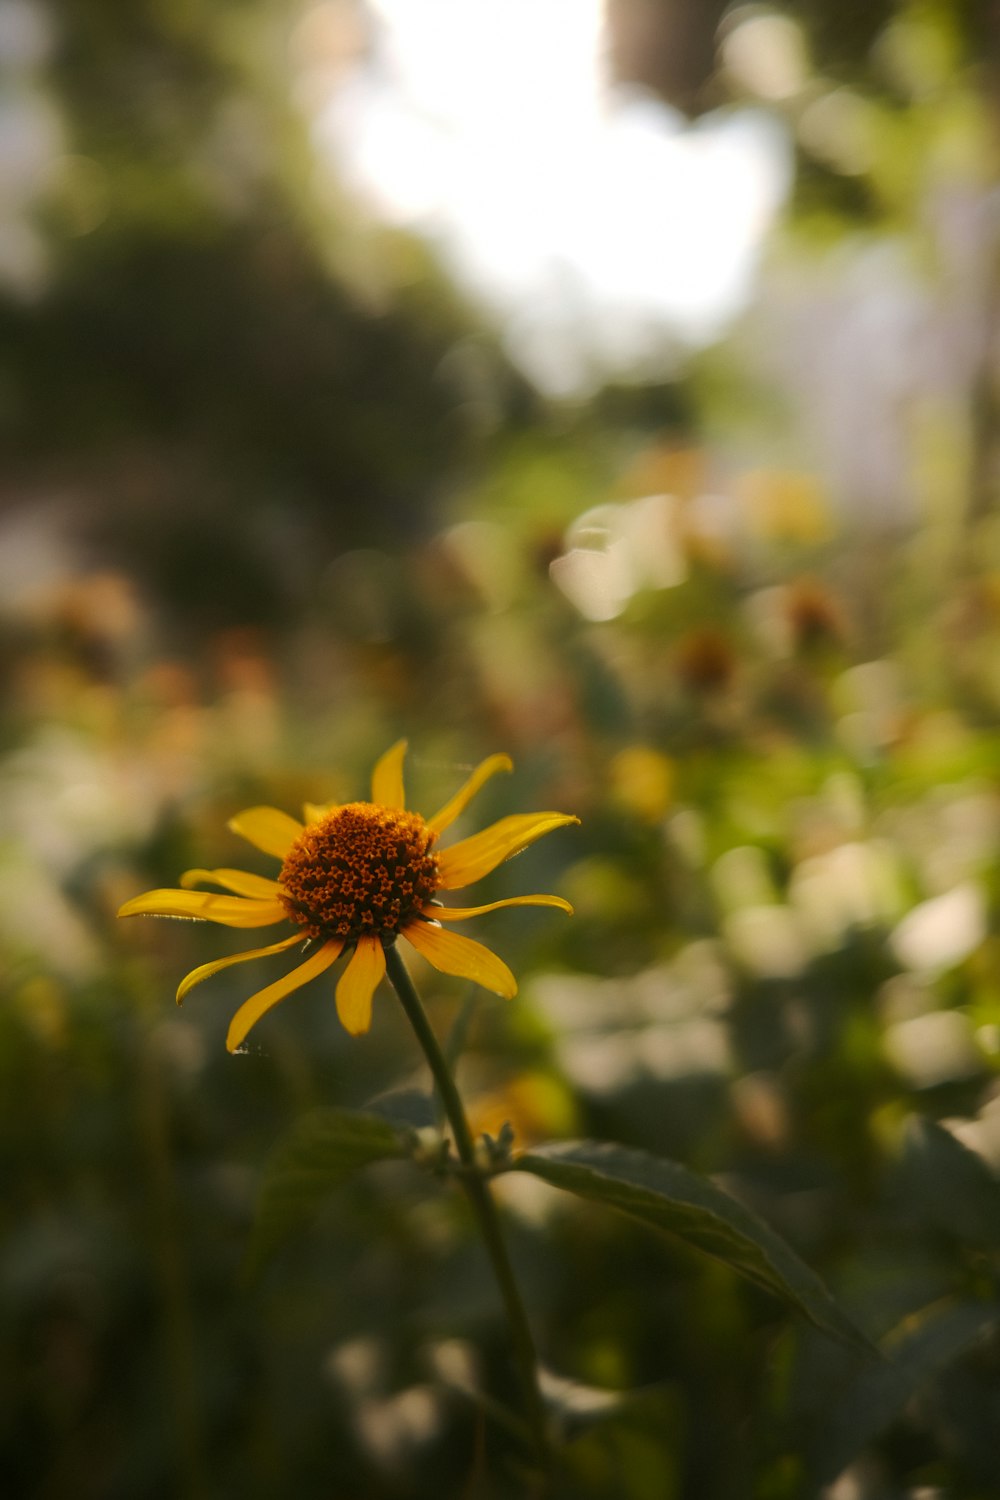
point(178, 1324)
point(481, 1199)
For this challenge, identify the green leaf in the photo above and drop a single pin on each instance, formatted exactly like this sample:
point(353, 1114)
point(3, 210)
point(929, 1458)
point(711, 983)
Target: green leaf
point(632, 1450)
point(574, 1407)
point(458, 1036)
point(669, 1197)
point(918, 1351)
point(456, 1042)
point(953, 1188)
point(323, 1149)
point(405, 1108)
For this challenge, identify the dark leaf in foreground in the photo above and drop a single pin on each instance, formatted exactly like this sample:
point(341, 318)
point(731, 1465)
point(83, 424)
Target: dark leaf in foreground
point(878, 1395)
point(321, 1150)
point(952, 1188)
point(669, 1197)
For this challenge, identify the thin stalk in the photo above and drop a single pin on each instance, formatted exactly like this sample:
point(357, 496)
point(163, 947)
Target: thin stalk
point(480, 1198)
point(178, 1324)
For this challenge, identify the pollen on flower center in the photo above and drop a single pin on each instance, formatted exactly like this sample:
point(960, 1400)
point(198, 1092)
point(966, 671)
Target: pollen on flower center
point(362, 870)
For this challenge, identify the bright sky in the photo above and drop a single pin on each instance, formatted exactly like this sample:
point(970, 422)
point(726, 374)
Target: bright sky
point(589, 221)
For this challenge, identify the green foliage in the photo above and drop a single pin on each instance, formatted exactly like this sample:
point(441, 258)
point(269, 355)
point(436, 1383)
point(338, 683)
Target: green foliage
point(323, 1149)
point(950, 1188)
point(669, 1197)
point(924, 1348)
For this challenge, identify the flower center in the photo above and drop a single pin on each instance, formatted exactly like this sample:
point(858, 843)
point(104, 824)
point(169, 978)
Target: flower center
point(361, 871)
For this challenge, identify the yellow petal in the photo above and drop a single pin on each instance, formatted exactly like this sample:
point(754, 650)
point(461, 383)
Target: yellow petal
point(207, 970)
point(240, 881)
point(475, 857)
point(443, 819)
point(460, 913)
point(205, 906)
point(357, 985)
point(266, 828)
point(312, 812)
point(453, 954)
point(251, 1010)
point(387, 777)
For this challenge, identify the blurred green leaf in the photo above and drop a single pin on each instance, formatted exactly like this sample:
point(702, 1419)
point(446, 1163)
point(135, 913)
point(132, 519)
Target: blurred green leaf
point(667, 1196)
point(953, 1188)
point(323, 1149)
point(458, 1036)
point(630, 1450)
point(405, 1108)
point(576, 1406)
point(878, 1395)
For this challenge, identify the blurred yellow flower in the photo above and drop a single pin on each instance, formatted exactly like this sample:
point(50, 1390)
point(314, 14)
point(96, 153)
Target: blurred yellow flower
point(787, 505)
point(358, 875)
point(642, 780)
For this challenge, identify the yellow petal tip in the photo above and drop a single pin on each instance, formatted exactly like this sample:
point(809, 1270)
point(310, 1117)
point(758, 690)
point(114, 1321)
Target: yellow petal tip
point(133, 908)
point(357, 1030)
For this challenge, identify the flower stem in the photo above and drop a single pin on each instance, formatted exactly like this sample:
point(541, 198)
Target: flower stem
point(481, 1200)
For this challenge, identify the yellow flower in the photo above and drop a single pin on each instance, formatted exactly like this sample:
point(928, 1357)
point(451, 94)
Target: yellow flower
point(358, 875)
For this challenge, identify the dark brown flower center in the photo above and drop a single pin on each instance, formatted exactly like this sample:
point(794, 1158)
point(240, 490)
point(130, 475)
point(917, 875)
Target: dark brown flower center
point(362, 870)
